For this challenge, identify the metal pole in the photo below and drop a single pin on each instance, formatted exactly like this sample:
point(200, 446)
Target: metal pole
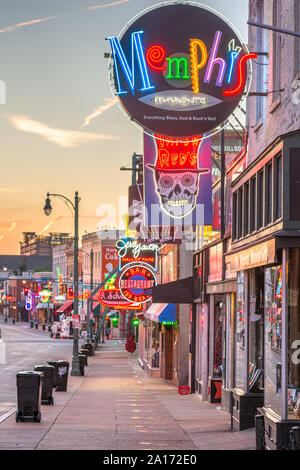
point(75, 359)
point(274, 28)
point(90, 303)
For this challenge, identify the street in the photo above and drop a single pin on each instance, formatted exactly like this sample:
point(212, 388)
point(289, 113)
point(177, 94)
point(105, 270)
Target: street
point(116, 406)
point(26, 348)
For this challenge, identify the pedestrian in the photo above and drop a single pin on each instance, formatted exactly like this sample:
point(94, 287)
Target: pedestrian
point(107, 333)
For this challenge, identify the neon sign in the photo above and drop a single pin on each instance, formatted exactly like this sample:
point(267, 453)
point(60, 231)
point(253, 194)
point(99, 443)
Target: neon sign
point(204, 56)
point(113, 298)
point(29, 301)
point(45, 296)
point(135, 283)
point(134, 252)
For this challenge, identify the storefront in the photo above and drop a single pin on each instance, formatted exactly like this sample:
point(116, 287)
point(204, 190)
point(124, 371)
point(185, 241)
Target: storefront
point(265, 254)
point(214, 296)
point(160, 320)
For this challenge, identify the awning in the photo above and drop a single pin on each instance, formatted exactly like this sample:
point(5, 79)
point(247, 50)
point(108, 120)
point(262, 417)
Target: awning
point(43, 306)
point(177, 292)
point(161, 313)
point(65, 306)
point(112, 313)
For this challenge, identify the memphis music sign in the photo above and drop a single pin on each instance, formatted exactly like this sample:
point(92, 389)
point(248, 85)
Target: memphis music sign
point(136, 283)
point(179, 70)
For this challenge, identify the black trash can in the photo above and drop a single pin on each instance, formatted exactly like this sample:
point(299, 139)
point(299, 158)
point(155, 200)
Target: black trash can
point(295, 438)
point(29, 385)
point(36, 326)
point(14, 321)
point(260, 431)
point(89, 347)
point(81, 363)
point(55, 375)
point(85, 353)
point(47, 386)
point(49, 328)
point(44, 327)
point(62, 376)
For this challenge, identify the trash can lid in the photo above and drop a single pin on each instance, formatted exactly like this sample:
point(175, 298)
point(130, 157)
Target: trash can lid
point(43, 366)
point(62, 362)
point(28, 373)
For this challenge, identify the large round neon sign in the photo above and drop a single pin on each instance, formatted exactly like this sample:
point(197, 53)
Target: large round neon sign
point(179, 70)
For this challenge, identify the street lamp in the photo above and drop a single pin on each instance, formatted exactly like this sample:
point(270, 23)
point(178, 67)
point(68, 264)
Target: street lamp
point(89, 300)
point(48, 209)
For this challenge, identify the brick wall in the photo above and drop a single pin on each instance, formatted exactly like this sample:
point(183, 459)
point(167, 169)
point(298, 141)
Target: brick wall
point(281, 115)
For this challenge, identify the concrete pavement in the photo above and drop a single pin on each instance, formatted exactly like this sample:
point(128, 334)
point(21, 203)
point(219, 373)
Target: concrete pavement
point(117, 406)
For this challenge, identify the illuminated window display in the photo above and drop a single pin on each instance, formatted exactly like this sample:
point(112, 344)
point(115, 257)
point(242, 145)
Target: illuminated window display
point(239, 340)
point(293, 332)
point(273, 339)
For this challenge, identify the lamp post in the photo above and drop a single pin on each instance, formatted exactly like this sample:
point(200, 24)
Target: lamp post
point(48, 209)
point(90, 300)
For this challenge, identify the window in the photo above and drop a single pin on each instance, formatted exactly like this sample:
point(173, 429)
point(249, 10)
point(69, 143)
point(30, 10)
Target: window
point(296, 40)
point(234, 215)
point(278, 187)
point(239, 336)
point(273, 338)
point(246, 209)
point(252, 204)
point(268, 194)
point(260, 85)
point(240, 212)
point(260, 199)
point(276, 49)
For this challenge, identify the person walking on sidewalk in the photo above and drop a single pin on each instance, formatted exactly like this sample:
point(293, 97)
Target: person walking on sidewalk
point(107, 333)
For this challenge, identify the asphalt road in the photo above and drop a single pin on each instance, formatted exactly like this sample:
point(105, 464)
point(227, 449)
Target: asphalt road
point(26, 348)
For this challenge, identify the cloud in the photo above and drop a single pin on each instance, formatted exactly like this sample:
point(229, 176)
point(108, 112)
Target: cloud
point(62, 137)
point(12, 227)
point(109, 103)
point(112, 4)
point(13, 27)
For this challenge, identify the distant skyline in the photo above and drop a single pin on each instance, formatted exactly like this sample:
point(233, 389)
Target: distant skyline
point(60, 128)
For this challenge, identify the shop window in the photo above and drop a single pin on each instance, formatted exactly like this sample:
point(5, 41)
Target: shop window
point(155, 352)
point(268, 194)
point(273, 339)
point(252, 204)
point(277, 187)
point(239, 336)
point(256, 331)
point(218, 327)
point(293, 326)
point(260, 199)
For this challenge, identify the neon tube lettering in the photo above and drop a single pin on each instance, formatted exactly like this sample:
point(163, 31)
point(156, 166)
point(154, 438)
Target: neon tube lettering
point(156, 55)
point(177, 61)
point(213, 60)
point(233, 57)
point(242, 78)
point(118, 53)
point(195, 65)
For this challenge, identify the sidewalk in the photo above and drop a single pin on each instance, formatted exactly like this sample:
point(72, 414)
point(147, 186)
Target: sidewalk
point(117, 406)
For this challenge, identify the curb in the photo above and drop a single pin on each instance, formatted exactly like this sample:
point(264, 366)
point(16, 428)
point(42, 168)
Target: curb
point(7, 414)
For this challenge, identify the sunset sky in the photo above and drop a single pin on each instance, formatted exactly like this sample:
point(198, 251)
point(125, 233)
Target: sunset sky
point(60, 128)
